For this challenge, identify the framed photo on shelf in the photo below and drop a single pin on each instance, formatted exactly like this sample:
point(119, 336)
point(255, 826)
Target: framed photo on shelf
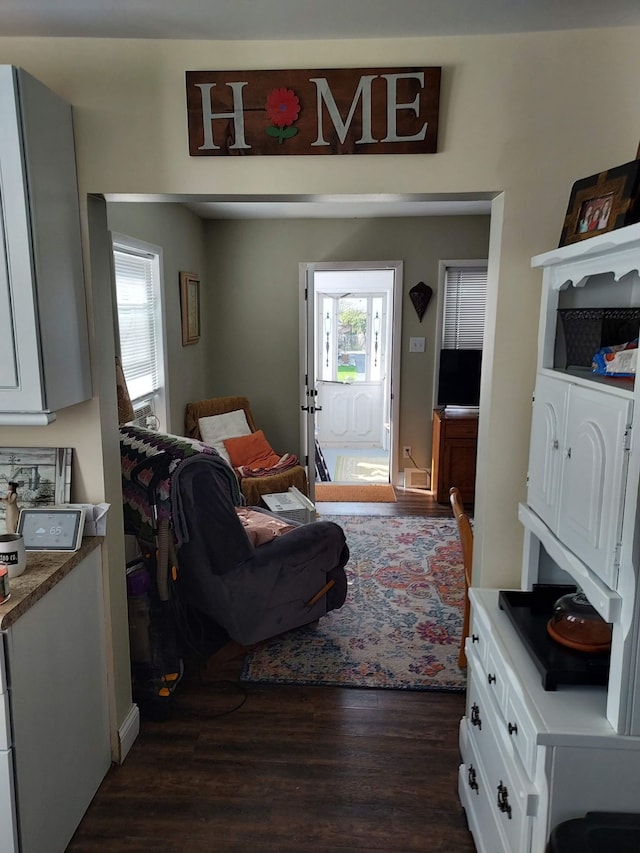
point(190, 307)
point(602, 203)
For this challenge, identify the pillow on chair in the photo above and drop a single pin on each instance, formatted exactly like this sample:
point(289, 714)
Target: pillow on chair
point(216, 428)
point(251, 451)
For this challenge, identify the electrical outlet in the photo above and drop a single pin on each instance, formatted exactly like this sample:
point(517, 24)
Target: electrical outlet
point(406, 452)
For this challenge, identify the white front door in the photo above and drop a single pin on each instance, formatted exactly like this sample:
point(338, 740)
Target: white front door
point(350, 322)
point(351, 414)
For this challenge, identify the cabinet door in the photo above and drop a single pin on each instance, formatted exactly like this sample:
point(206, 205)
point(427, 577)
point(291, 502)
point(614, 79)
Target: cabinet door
point(44, 345)
point(59, 706)
point(20, 376)
point(594, 467)
point(459, 468)
point(545, 457)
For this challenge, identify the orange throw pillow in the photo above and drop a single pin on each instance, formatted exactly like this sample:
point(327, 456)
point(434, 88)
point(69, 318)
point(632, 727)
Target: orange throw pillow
point(251, 451)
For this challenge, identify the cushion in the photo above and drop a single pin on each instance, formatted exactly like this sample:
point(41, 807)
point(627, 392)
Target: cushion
point(216, 428)
point(261, 527)
point(253, 451)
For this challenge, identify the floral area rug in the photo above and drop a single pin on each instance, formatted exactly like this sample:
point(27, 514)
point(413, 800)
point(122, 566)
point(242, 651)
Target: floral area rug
point(400, 626)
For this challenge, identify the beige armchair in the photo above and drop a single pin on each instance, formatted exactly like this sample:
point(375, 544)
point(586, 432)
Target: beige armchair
point(252, 487)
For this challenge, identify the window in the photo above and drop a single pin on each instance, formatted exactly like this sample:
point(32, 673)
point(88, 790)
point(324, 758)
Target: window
point(465, 298)
point(459, 360)
point(140, 323)
point(352, 344)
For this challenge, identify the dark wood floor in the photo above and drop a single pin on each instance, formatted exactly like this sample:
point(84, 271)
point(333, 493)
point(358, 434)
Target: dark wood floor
point(248, 768)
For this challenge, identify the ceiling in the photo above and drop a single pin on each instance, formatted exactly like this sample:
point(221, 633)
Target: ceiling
point(305, 19)
point(310, 19)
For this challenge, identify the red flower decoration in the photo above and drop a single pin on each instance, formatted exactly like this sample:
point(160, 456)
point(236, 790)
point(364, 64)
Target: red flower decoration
point(283, 107)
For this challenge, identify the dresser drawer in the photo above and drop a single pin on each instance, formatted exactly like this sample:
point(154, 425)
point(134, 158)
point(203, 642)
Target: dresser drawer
point(513, 798)
point(521, 731)
point(479, 710)
point(477, 800)
point(496, 677)
point(461, 428)
point(478, 640)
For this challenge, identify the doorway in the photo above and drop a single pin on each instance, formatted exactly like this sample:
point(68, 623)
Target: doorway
point(350, 321)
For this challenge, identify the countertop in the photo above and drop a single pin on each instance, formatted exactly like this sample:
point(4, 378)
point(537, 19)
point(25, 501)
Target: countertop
point(44, 570)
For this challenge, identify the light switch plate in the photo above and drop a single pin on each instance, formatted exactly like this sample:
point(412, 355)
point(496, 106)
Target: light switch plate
point(416, 344)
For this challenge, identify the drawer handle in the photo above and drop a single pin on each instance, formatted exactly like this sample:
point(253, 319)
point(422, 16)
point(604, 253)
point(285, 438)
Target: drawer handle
point(475, 716)
point(513, 728)
point(491, 678)
point(503, 799)
point(475, 638)
point(471, 779)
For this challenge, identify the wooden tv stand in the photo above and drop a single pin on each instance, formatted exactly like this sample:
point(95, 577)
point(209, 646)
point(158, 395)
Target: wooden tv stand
point(453, 453)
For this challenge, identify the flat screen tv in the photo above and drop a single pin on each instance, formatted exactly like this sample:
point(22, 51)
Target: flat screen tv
point(459, 377)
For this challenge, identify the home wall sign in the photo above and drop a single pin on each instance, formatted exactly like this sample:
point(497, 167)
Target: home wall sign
point(331, 111)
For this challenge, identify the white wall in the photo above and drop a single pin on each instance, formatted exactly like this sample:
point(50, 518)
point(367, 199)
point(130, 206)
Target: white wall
point(519, 115)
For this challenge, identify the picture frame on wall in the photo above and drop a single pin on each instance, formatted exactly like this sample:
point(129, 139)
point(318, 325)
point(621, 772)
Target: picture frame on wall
point(602, 202)
point(190, 307)
point(32, 477)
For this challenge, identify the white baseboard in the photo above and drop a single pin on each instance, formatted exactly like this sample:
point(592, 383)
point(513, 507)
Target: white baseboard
point(128, 732)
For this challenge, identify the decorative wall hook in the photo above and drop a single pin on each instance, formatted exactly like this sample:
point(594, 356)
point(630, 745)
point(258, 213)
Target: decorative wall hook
point(420, 296)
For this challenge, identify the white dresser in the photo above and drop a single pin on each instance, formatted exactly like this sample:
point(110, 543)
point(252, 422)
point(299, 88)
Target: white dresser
point(534, 757)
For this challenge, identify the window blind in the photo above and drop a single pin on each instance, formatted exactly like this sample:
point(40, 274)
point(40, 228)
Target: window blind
point(465, 299)
point(138, 313)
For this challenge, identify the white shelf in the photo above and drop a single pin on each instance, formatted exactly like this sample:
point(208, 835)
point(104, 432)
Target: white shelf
point(601, 245)
point(583, 376)
point(607, 602)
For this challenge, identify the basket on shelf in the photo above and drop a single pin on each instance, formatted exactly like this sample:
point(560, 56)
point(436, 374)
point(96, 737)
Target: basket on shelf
point(583, 331)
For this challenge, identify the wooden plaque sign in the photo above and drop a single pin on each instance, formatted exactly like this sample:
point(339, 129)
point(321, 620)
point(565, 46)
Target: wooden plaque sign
point(334, 111)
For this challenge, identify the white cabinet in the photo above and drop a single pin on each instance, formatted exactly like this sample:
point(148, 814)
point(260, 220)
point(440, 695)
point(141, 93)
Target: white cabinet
point(59, 709)
point(545, 451)
point(577, 468)
point(534, 757)
point(8, 822)
point(44, 350)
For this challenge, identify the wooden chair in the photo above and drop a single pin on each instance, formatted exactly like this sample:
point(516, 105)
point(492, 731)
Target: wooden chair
point(465, 533)
point(252, 487)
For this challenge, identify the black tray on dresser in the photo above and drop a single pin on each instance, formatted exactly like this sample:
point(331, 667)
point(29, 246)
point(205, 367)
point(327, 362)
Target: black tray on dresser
point(558, 665)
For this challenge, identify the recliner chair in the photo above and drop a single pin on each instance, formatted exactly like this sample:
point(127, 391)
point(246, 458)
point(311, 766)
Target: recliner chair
point(253, 593)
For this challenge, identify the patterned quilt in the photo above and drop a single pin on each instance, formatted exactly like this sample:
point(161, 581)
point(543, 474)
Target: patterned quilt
point(137, 445)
